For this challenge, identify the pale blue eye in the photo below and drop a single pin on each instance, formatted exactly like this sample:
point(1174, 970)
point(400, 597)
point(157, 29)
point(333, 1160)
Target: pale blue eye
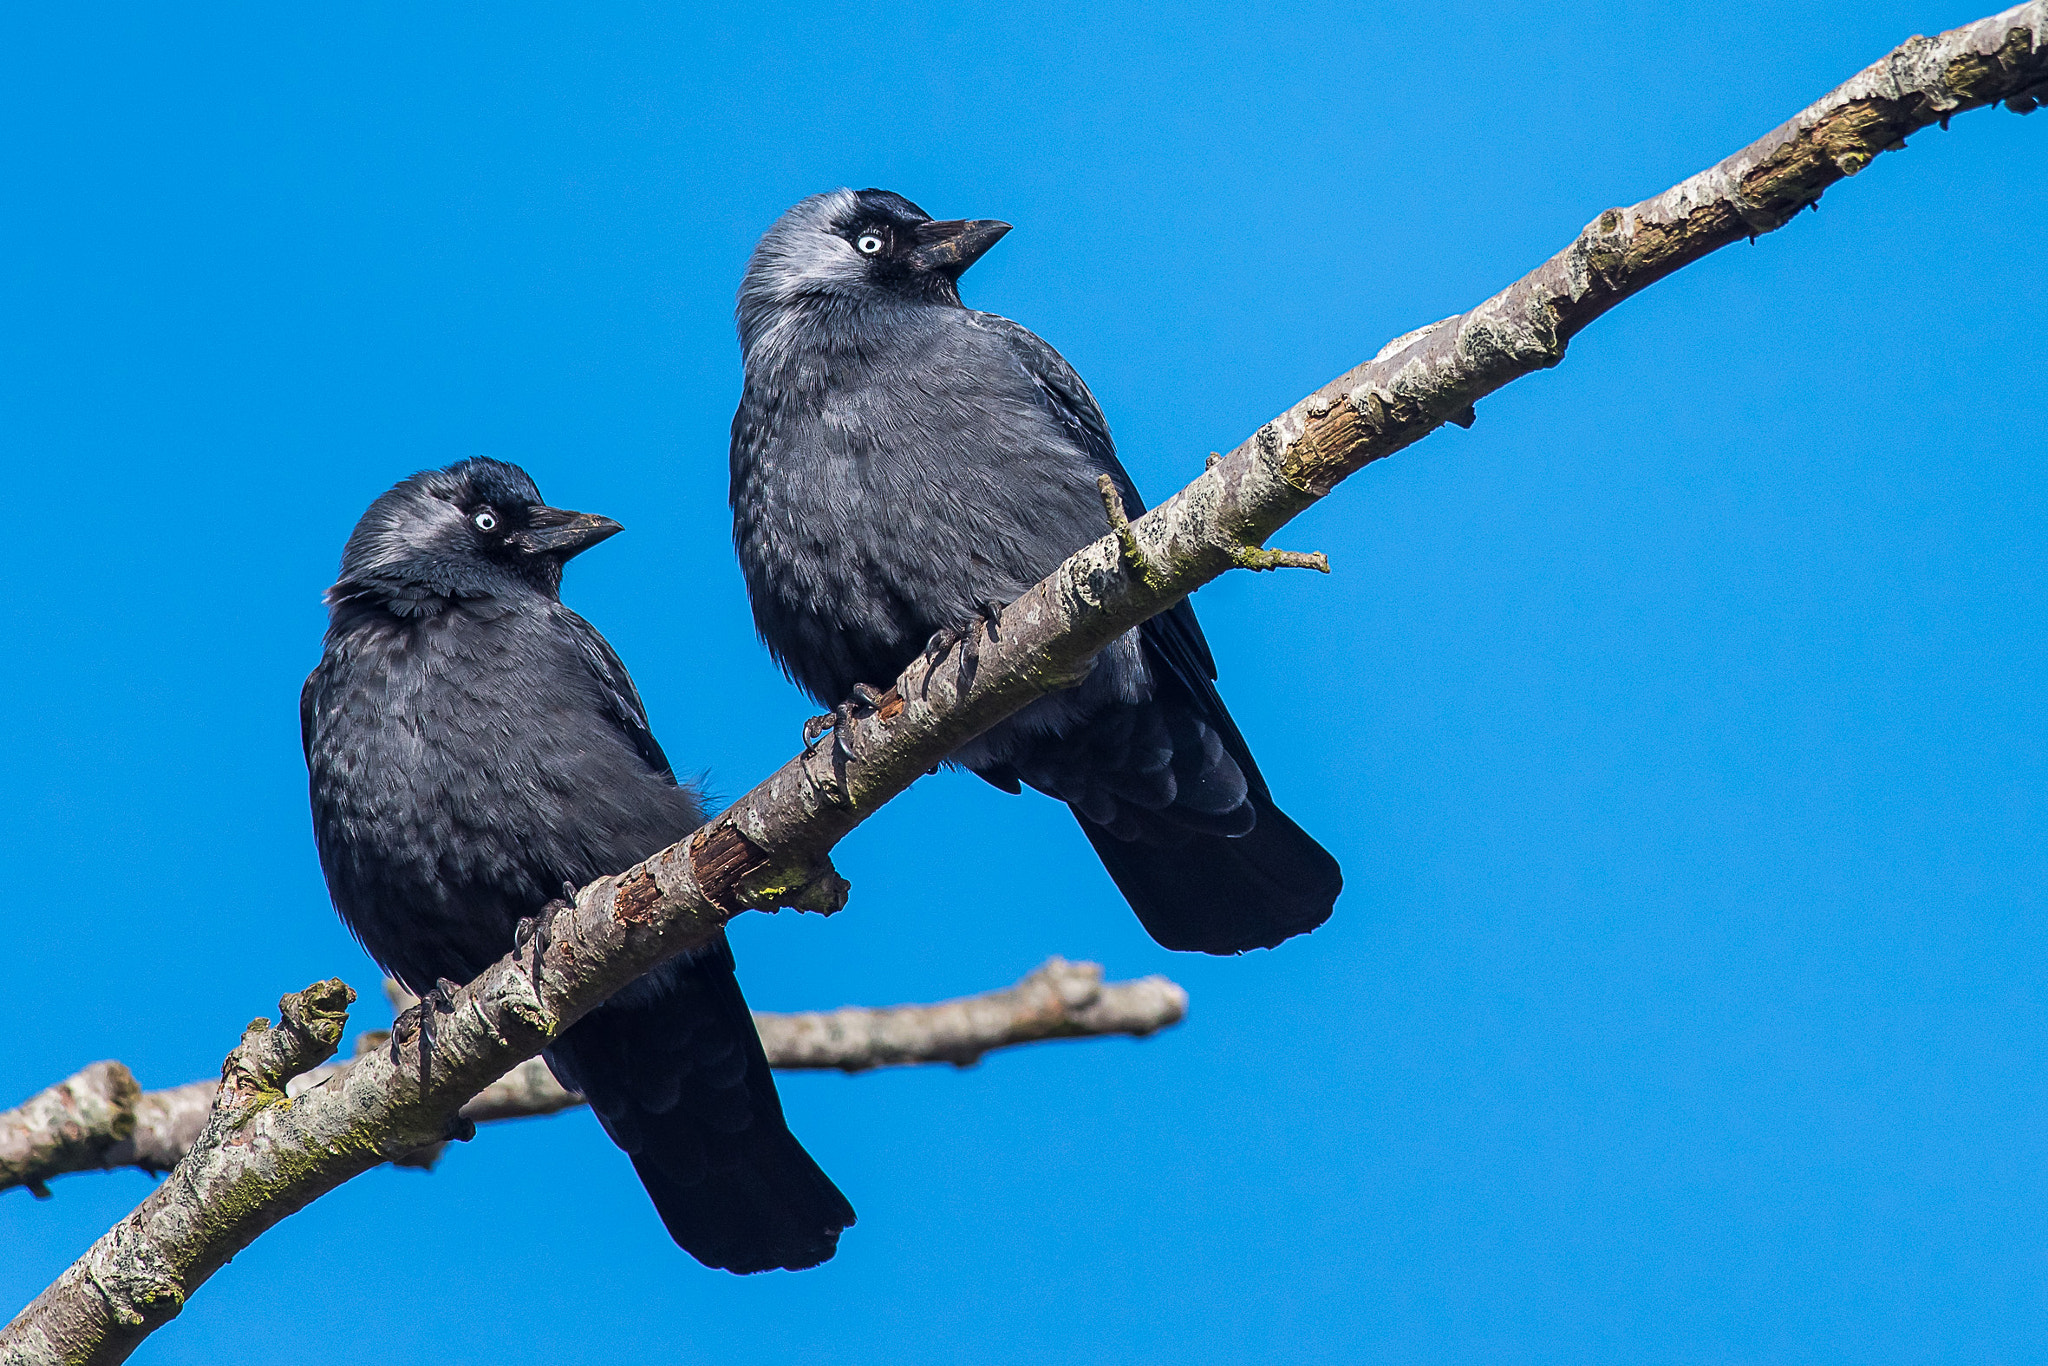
point(868, 244)
point(485, 521)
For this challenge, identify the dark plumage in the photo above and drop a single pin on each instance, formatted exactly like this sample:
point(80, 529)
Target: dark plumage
point(472, 745)
point(898, 461)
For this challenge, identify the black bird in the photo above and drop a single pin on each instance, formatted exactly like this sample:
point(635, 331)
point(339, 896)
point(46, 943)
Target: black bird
point(900, 463)
point(473, 745)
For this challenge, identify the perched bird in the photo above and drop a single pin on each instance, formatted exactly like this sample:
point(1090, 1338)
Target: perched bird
point(900, 465)
point(473, 745)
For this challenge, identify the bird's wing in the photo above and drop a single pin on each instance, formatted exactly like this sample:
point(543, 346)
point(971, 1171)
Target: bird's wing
point(1173, 638)
point(1064, 396)
point(621, 700)
point(306, 704)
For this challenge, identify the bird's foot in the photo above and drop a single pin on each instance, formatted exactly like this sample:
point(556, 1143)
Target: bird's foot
point(538, 930)
point(840, 719)
point(438, 1001)
point(991, 614)
point(988, 616)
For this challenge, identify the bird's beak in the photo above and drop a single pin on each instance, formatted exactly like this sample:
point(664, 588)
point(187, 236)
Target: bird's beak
point(562, 534)
point(951, 246)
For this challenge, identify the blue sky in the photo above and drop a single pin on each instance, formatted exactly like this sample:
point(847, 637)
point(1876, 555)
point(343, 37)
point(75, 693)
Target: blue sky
point(1680, 726)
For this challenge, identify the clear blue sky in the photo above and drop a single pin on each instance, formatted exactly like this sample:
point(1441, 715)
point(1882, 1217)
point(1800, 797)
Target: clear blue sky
point(1680, 726)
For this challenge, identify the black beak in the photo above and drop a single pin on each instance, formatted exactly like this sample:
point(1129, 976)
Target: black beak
point(951, 246)
point(562, 534)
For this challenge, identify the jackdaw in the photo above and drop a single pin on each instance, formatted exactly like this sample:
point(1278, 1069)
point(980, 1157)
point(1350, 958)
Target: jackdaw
point(901, 465)
point(474, 746)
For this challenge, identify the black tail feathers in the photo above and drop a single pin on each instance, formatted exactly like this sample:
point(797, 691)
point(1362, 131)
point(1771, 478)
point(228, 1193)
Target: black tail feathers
point(1221, 894)
point(676, 1073)
point(773, 1210)
point(1180, 816)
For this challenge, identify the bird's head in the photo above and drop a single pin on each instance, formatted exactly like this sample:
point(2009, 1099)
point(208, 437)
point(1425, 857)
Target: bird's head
point(850, 246)
point(476, 529)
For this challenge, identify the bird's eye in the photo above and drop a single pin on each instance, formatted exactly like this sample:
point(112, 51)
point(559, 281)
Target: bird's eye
point(485, 520)
point(868, 244)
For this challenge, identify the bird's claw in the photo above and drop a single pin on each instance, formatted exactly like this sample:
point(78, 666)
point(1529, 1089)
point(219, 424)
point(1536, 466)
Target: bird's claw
point(435, 1002)
point(538, 930)
point(988, 615)
point(840, 719)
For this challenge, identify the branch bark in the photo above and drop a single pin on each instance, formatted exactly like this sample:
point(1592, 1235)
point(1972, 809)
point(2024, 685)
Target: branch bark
point(100, 1120)
point(69, 1127)
point(770, 848)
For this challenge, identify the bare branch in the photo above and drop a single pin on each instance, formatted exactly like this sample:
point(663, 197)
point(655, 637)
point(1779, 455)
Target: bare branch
point(1058, 1000)
point(770, 848)
point(68, 1127)
point(1435, 374)
point(100, 1120)
point(136, 1277)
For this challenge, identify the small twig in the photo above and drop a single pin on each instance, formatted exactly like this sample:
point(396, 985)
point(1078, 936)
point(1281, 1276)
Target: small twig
point(1126, 539)
point(1243, 556)
point(1252, 557)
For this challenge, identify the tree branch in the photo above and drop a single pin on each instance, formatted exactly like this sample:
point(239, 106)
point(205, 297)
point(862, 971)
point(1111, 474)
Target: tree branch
point(69, 1127)
point(770, 848)
point(100, 1120)
point(1057, 1000)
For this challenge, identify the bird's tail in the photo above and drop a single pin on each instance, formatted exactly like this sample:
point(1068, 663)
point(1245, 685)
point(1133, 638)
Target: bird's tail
point(1182, 819)
point(676, 1074)
point(1224, 894)
point(1170, 797)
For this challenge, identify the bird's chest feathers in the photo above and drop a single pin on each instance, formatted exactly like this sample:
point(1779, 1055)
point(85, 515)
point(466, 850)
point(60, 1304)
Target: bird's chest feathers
point(438, 703)
point(850, 471)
